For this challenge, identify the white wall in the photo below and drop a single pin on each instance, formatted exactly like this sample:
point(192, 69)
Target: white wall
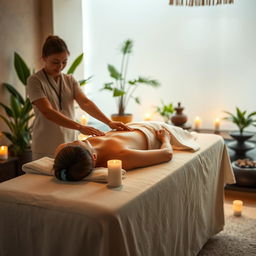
point(204, 57)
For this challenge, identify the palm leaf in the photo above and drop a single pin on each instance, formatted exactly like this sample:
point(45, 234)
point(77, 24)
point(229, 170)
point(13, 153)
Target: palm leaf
point(147, 81)
point(8, 110)
point(14, 92)
point(114, 73)
point(21, 68)
point(127, 46)
point(15, 106)
point(85, 81)
point(75, 64)
point(117, 92)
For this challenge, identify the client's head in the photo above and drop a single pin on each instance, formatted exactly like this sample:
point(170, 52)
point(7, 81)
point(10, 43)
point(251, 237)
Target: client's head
point(73, 161)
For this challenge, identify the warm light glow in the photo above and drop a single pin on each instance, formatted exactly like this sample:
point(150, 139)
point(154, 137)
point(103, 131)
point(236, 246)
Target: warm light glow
point(3, 152)
point(147, 117)
point(114, 173)
point(237, 207)
point(84, 120)
point(216, 124)
point(82, 136)
point(197, 122)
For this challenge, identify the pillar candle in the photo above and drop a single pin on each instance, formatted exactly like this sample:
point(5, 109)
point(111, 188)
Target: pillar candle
point(147, 117)
point(237, 207)
point(217, 124)
point(114, 173)
point(83, 120)
point(3, 152)
point(197, 122)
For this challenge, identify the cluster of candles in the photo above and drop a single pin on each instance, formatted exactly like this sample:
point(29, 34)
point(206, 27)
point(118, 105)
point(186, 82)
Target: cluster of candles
point(198, 122)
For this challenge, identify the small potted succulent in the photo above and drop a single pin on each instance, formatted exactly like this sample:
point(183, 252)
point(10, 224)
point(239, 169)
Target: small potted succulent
point(165, 111)
point(123, 89)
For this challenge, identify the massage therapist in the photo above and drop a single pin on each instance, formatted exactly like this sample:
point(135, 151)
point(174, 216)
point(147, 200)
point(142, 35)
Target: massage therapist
point(52, 94)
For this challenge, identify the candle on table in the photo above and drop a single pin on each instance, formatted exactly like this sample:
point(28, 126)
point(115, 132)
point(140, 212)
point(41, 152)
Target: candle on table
point(82, 137)
point(3, 152)
point(147, 117)
point(197, 122)
point(237, 207)
point(83, 120)
point(114, 173)
point(217, 124)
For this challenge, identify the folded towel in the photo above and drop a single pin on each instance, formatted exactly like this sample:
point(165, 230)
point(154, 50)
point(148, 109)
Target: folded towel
point(180, 138)
point(45, 166)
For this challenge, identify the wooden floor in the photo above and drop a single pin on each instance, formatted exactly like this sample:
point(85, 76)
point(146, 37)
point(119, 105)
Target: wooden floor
point(249, 198)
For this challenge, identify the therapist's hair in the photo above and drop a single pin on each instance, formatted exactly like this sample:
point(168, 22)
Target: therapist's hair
point(52, 45)
point(73, 163)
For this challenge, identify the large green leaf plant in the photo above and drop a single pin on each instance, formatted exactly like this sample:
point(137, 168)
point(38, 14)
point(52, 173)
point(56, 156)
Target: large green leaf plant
point(121, 88)
point(241, 119)
point(18, 114)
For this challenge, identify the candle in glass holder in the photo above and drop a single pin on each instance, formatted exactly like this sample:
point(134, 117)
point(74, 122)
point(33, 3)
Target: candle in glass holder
point(83, 120)
point(237, 207)
point(197, 122)
point(217, 124)
point(3, 152)
point(114, 173)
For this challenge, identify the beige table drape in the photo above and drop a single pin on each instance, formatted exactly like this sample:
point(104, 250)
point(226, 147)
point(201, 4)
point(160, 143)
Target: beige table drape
point(167, 209)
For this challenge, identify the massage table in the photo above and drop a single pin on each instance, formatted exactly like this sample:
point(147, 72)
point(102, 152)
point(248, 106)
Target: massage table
point(167, 209)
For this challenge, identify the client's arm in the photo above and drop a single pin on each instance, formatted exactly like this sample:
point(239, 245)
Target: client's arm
point(132, 158)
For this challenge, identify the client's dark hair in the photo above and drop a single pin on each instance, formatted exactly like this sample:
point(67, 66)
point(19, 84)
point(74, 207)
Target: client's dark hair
point(73, 163)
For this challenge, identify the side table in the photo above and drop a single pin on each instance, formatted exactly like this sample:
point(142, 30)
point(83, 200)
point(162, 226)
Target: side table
point(8, 168)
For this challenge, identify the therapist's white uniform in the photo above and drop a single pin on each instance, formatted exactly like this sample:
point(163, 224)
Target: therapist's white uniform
point(47, 135)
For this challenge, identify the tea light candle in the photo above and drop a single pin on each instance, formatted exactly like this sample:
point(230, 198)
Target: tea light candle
point(114, 173)
point(83, 120)
point(147, 117)
point(197, 122)
point(237, 207)
point(217, 124)
point(82, 137)
point(3, 152)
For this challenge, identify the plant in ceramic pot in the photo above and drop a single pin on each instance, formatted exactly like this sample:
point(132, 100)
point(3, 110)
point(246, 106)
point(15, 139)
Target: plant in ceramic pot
point(242, 120)
point(18, 113)
point(122, 89)
point(165, 111)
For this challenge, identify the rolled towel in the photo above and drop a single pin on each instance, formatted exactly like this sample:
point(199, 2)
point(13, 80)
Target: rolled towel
point(45, 166)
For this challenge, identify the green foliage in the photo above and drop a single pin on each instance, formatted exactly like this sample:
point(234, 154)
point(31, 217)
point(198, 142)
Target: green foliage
point(241, 119)
point(21, 68)
point(122, 89)
point(165, 110)
point(19, 113)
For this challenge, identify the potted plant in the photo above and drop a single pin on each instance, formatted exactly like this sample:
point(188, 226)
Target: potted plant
point(165, 110)
point(18, 113)
point(123, 89)
point(242, 120)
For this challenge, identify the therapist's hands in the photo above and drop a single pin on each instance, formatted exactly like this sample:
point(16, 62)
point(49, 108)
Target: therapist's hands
point(89, 130)
point(119, 126)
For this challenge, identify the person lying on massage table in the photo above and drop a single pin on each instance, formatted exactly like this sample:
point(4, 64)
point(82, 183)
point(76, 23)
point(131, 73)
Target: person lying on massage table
point(147, 144)
point(76, 160)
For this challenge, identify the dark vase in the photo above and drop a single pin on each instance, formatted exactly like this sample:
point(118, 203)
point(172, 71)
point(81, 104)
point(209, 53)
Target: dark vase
point(241, 145)
point(179, 119)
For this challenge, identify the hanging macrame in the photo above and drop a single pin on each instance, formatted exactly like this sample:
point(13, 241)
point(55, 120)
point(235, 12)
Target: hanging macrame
point(200, 2)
